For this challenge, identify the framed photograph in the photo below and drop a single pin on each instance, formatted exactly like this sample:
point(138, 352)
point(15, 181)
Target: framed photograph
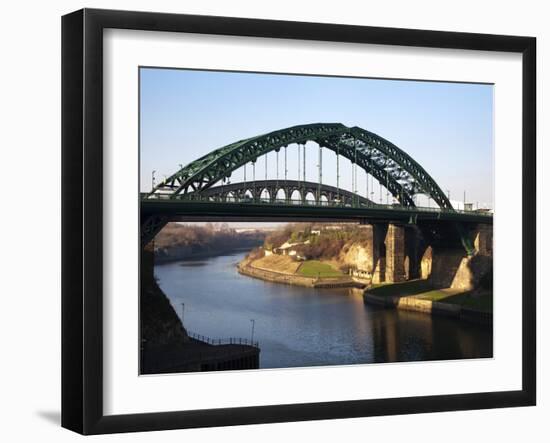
point(268, 221)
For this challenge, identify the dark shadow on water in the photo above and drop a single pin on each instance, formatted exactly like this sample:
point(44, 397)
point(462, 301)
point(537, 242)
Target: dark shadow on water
point(193, 263)
point(54, 417)
point(403, 336)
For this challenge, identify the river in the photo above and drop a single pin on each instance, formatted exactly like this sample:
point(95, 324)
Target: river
point(297, 326)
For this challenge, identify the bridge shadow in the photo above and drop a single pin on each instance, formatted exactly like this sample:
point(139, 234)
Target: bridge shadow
point(405, 289)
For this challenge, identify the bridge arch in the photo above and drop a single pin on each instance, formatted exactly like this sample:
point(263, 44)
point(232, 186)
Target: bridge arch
point(285, 191)
point(402, 176)
point(295, 195)
point(265, 194)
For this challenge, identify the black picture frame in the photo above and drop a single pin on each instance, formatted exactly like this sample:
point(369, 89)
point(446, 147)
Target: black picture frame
point(82, 234)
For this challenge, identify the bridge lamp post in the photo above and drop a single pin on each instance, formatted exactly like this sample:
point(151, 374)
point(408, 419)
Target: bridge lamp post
point(299, 171)
point(320, 173)
point(254, 180)
point(252, 331)
point(338, 172)
point(354, 172)
point(182, 312)
point(277, 169)
point(304, 169)
point(387, 187)
point(367, 182)
point(277, 175)
point(287, 197)
point(372, 188)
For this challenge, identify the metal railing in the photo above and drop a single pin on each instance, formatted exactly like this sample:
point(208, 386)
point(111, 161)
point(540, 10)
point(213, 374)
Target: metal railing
point(223, 341)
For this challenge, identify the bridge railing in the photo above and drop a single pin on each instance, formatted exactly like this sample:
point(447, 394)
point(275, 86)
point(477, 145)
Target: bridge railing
point(309, 203)
point(223, 341)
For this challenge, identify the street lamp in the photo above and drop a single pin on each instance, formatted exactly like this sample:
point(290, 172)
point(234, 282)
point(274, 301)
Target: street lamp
point(153, 179)
point(252, 332)
point(182, 312)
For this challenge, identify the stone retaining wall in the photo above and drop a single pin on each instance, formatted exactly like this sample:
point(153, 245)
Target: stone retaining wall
point(246, 268)
point(430, 307)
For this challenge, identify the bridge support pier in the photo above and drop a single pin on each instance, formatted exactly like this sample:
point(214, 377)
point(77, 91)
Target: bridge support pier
point(483, 240)
point(395, 254)
point(378, 253)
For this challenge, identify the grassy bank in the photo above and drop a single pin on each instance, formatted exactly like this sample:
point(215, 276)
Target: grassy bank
point(315, 268)
point(424, 290)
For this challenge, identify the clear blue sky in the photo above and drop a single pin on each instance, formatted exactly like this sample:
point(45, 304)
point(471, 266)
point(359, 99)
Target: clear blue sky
point(446, 127)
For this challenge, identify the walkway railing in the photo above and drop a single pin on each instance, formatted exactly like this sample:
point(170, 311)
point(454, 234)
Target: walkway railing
point(223, 341)
point(309, 203)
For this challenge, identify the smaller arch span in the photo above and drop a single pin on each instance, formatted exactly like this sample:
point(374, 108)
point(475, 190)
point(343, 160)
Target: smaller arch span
point(254, 190)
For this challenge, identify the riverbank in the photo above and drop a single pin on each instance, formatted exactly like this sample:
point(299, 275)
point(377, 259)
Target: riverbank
point(177, 241)
point(211, 253)
point(421, 296)
point(246, 267)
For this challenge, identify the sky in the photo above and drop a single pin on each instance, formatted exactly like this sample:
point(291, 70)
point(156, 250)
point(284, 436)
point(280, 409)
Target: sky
point(446, 127)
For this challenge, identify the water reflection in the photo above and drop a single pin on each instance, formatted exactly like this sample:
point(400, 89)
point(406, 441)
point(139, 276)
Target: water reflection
point(306, 327)
point(412, 336)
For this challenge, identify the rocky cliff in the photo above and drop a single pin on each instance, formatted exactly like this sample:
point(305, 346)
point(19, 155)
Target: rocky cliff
point(357, 255)
point(160, 324)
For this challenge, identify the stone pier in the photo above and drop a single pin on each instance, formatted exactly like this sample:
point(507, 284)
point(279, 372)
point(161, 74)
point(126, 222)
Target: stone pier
point(378, 253)
point(483, 240)
point(395, 254)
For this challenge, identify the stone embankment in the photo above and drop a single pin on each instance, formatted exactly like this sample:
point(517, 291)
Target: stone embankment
point(413, 303)
point(246, 267)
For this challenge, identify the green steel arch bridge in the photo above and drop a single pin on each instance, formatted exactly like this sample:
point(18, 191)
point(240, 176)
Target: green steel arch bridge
point(203, 188)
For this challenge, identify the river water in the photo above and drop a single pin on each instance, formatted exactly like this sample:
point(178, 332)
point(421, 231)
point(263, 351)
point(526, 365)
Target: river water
point(297, 326)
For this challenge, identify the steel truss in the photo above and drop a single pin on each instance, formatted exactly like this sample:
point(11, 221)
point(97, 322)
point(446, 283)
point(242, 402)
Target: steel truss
point(393, 168)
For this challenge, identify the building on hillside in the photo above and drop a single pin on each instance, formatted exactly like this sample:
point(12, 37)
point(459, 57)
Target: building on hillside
point(360, 273)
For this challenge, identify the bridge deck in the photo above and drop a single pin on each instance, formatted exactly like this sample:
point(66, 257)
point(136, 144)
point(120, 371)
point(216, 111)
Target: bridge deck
point(184, 209)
